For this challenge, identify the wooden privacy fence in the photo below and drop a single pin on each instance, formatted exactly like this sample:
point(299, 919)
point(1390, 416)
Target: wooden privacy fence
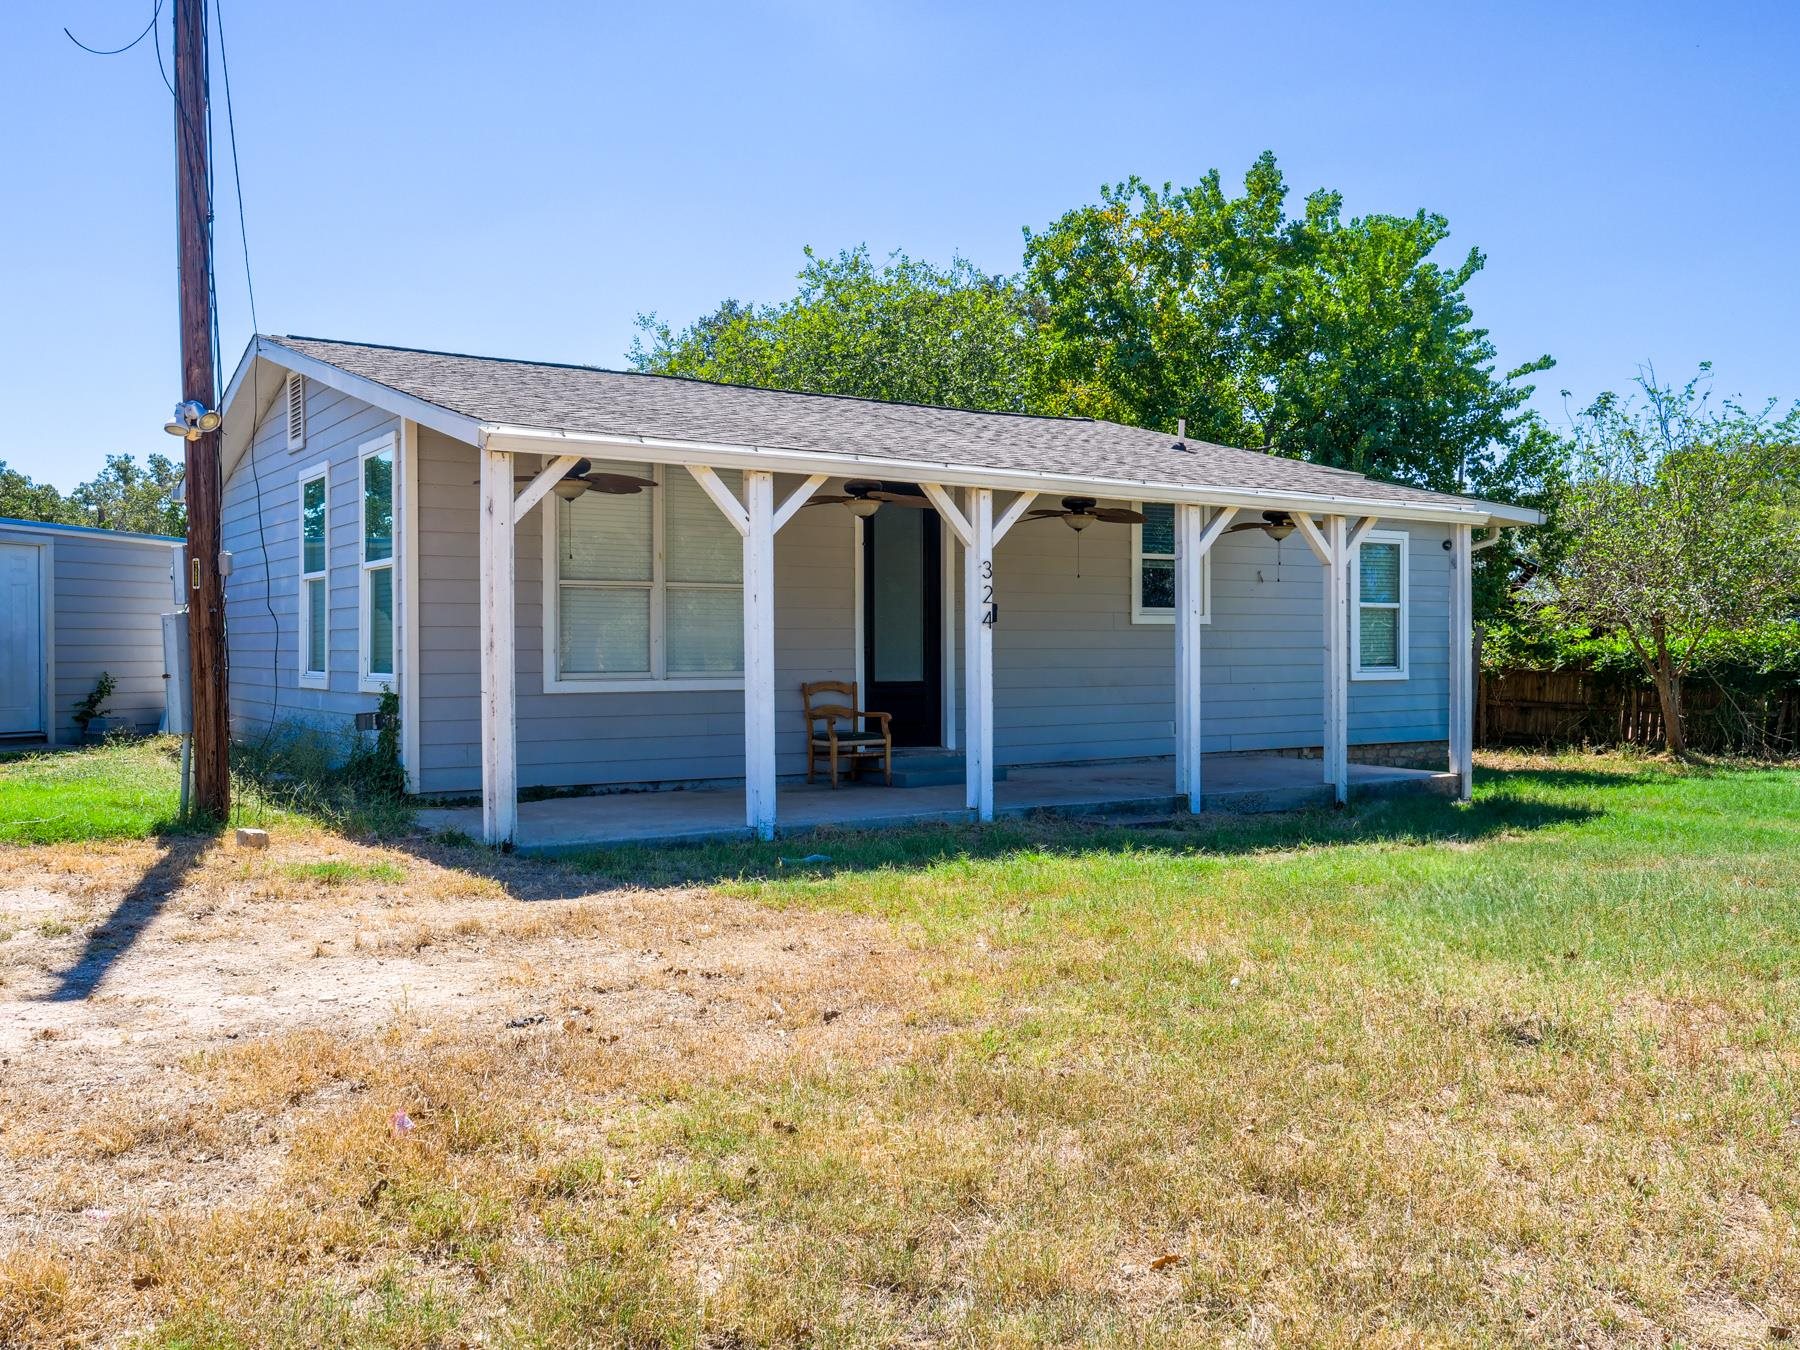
point(1584, 707)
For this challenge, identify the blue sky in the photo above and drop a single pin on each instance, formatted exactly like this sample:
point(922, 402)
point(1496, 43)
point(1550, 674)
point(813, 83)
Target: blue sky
point(522, 179)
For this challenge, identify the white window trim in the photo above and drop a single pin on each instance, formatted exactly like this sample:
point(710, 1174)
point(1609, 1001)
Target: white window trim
point(294, 388)
point(634, 681)
point(1135, 578)
point(367, 682)
point(317, 679)
point(1403, 627)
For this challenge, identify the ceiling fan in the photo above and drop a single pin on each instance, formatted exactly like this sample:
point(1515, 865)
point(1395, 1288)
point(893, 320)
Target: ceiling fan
point(1278, 525)
point(863, 497)
point(1080, 512)
point(581, 478)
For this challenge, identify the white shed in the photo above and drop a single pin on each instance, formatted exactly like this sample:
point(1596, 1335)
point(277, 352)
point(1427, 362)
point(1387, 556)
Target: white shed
point(75, 602)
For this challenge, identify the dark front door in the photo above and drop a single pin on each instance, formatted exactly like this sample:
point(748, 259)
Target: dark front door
point(902, 620)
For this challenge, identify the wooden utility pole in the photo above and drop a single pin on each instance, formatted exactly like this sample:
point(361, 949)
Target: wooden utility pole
point(206, 593)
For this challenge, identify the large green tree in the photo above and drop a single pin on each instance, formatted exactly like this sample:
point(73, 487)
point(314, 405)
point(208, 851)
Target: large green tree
point(904, 330)
point(23, 498)
point(1681, 522)
point(125, 495)
point(1340, 341)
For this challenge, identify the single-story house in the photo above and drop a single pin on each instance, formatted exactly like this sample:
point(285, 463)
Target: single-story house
point(575, 577)
point(76, 603)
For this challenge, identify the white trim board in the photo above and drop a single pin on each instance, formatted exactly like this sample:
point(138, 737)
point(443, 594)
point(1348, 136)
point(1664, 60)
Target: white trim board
point(303, 678)
point(1402, 624)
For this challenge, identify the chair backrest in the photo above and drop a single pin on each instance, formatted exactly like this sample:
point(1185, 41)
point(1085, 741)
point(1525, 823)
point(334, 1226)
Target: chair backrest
point(845, 711)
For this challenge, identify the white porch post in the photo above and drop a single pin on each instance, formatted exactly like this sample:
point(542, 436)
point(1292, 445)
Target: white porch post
point(1188, 601)
point(947, 631)
point(979, 616)
point(499, 746)
point(1337, 657)
point(1462, 666)
point(759, 653)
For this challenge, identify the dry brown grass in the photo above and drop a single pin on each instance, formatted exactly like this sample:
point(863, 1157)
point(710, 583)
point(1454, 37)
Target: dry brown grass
point(1531, 1083)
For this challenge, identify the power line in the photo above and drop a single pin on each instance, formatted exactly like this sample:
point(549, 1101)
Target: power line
point(120, 51)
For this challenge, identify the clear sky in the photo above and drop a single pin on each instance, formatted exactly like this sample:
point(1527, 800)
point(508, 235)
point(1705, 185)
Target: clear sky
point(523, 178)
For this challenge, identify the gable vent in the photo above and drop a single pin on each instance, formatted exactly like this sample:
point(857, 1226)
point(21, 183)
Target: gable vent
point(296, 411)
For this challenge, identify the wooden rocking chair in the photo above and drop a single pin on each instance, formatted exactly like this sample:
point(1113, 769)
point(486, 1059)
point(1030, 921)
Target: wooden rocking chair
point(855, 743)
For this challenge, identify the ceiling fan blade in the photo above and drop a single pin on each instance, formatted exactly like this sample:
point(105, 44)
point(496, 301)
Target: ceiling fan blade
point(901, 499)
point(828, 501)
point(1119, 515)
point(617, 482)
point(1044, 513)
point(1247, 525)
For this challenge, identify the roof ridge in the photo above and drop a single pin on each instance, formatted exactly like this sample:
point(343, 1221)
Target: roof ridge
point(694, 379)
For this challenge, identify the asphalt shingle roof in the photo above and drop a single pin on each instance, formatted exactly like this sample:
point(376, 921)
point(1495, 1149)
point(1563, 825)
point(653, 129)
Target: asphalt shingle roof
point(586, 399)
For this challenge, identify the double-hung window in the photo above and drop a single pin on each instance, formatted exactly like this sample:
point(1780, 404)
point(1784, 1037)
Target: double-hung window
point(376, 601)
point(1153, 567)
point(1378, 585)
point(315, 510)
point(648, 586)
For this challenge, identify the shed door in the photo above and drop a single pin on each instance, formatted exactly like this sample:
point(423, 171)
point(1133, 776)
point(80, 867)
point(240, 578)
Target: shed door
point(21, 641)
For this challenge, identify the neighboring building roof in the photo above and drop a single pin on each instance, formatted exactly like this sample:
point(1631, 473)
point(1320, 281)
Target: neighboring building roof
point(498, 394)
point(87, 531)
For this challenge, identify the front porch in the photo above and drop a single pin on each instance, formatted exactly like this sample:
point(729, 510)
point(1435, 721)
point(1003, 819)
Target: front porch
point(1139, 787)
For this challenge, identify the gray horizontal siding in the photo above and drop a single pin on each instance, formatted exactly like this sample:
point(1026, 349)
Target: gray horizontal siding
point(606, 738)
point(1074, 677)
point(108, 595)
point(261, 529)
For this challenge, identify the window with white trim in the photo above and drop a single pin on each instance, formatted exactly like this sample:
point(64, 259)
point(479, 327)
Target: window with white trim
point(315, 509)
point(649, 586)
point(295, 397)
point(1379, 590)
point(1153, 567)
point(375, 605)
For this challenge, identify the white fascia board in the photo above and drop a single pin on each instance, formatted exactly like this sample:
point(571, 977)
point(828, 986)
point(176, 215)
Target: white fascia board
point(660, 450)
point(407, 406)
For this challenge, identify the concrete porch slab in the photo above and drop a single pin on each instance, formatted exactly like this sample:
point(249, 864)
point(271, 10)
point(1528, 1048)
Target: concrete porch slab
point(1142, 787)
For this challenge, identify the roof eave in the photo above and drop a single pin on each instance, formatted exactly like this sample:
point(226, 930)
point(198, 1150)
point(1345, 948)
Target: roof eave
point(662, 450)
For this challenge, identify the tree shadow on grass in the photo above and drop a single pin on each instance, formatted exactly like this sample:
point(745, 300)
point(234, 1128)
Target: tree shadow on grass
point(136, 910)
point(1509, 802)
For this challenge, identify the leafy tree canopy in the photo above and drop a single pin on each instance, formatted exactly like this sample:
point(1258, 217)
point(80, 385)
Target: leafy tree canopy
point(904, 330)
point(125, 495)
point(1336, 341)
point(1681, 522)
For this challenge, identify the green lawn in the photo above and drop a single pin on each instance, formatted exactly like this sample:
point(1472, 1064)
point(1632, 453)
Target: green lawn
point(125, 789)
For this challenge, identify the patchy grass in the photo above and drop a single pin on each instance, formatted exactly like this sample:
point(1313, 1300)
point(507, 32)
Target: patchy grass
point(341, 873)
point(121, 789)
point(1521, 1073)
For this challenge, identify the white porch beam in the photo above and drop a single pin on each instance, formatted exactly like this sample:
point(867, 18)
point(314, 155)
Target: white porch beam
point(1320, 546)
point(1215, 527)
point(1014, 512)
point(722, 497)
point(1189, 551)
point(979, 616)
point(799, 498)
point(499, 746)
point(958, 523)
point(1462, 662)
point(1337, 658)
point(538, 487)
point(1361, 532)
point(759, 651)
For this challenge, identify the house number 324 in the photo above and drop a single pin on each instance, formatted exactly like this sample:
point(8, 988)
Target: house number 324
point(992, 616)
